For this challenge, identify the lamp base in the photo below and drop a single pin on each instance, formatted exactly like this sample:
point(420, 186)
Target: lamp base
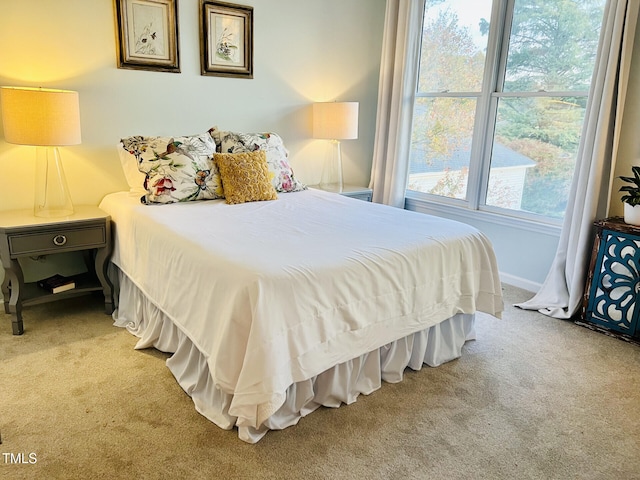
point(52, 197)
point(52, 213)
point(331, 179)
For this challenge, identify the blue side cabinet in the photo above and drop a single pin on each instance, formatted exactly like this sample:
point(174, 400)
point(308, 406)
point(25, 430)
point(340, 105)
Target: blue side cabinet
point(612, 294)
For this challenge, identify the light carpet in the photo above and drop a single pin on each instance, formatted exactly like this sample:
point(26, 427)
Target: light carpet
point(531, 398)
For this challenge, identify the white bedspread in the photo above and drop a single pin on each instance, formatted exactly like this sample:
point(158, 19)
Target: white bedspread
point(273, 293)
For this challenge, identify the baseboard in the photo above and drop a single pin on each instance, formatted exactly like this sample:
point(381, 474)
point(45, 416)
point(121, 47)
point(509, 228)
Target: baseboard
point(520, 282)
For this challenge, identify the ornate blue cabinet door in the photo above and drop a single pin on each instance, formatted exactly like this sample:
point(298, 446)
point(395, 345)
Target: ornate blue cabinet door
point(613, 286)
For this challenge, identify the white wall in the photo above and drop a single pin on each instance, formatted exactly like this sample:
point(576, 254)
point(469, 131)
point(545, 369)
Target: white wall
point(629, 151)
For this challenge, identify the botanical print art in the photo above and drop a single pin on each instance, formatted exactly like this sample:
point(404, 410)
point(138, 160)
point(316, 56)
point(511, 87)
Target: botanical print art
point(148, 26)
point(227, 39)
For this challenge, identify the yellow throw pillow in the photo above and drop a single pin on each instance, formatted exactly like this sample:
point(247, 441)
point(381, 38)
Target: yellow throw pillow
point(245, 176)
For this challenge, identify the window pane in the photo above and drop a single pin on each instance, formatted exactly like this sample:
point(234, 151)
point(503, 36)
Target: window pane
point(534, 153)
point(553, 45)
point(454, 44)
point(441, 146)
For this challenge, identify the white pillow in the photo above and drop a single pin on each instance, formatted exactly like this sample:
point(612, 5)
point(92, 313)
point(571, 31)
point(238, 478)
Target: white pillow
point(135, 178)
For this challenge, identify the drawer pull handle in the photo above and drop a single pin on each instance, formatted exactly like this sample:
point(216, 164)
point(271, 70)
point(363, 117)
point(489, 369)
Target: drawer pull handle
point(59, 240)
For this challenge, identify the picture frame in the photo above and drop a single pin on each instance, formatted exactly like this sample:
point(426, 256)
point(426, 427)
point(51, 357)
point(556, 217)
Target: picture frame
point(226, 39)
point(147, 35)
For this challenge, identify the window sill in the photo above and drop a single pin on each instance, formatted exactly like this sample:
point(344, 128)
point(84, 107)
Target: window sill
point(417, 203)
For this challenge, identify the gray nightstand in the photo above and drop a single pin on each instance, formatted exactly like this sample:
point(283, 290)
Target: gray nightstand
point(23, 235)
point(362, 193)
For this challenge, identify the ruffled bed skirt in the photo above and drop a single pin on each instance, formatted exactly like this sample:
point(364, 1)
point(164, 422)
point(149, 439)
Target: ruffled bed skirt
point(341, 384)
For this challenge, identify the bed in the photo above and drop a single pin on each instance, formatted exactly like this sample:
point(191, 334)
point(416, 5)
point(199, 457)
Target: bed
point(272, 309)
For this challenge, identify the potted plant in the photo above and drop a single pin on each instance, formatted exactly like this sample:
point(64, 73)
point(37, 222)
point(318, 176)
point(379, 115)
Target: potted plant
point(631, 197)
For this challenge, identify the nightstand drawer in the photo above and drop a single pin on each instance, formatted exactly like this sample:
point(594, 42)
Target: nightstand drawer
point(57, 240)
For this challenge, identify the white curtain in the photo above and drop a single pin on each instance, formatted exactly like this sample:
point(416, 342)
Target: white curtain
point(398, 76)
point(561, 293)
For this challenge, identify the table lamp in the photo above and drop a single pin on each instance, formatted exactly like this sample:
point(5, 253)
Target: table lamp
point(46, 119)
point(334, 121)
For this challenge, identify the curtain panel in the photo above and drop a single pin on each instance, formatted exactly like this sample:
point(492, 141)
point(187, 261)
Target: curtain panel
point(562, 292)
point(398, 77)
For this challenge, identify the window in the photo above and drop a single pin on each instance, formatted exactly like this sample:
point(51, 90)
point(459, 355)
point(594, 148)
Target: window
point(500, 103)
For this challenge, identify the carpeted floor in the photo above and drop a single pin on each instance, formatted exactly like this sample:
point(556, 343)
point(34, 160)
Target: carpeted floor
point(531, 398)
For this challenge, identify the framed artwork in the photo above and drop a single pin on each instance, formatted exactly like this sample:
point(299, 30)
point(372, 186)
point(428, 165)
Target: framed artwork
point(148, 35)
point(226, 39)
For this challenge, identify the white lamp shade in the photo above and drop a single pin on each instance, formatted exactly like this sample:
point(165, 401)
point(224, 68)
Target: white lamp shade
point(335, 120)
point(39, 116)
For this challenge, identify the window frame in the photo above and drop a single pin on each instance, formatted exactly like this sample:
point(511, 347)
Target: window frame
point(487, 102)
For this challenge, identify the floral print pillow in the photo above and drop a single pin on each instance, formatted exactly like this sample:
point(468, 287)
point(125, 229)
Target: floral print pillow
point(177, 169)
point(282, 176)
